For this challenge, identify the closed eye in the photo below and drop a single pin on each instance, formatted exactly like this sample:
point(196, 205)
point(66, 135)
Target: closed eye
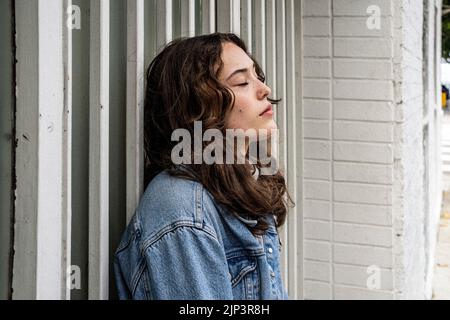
point(242, 84)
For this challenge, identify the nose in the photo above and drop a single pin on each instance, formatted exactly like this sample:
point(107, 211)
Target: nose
point(263, 91)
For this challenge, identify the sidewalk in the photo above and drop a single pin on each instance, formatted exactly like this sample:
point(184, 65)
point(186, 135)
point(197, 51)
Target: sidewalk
point(441, 279)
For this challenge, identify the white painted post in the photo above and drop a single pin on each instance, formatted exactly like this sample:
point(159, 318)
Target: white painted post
point(135, 104)
point(67, 152)
point(99, 152)
point(42, 194)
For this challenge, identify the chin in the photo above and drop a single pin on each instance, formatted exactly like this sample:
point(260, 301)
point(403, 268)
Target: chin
point(268, 128)
point(271, 125)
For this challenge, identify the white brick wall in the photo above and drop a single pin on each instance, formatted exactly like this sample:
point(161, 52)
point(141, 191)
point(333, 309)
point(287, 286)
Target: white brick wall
point(353, 254)
point(363, 213)
point(362, 89)
point(362, 69)
point(357, 276)
point(317, 251)
point(359, 7)
point(362, 172)
point(363, 162)
point(317, 132)
point(363, 131)
point(318, 8)
point(380, 111)
point(356, 27)
point(362, 48)
point(363, 152)
point(316, 47)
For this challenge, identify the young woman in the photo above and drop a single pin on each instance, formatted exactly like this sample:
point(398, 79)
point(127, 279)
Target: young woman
point(204, 230)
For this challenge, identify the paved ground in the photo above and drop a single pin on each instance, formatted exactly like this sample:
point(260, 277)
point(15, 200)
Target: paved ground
point(441, 280)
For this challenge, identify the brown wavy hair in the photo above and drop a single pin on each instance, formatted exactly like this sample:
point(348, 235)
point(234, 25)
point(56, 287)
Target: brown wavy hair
point(183, 87)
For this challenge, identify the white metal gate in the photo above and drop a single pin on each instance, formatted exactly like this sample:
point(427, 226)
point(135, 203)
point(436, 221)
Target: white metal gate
point(47, 233)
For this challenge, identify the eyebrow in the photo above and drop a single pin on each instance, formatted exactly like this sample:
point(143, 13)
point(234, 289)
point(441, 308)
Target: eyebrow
point(243, 70)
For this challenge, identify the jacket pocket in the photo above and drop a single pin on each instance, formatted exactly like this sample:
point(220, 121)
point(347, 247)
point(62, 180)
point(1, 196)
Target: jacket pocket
point(244, 277)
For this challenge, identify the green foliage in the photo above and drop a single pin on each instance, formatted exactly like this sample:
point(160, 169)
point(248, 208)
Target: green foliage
point(446, 30)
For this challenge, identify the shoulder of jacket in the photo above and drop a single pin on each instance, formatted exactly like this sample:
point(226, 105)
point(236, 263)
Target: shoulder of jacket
point(172, 202)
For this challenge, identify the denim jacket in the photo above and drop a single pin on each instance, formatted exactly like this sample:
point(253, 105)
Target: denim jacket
point(181, 244)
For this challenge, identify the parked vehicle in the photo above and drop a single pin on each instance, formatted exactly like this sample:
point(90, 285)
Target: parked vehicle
point(444, 93)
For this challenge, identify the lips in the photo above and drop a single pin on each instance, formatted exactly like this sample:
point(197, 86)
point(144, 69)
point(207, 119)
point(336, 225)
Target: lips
point(267, 110)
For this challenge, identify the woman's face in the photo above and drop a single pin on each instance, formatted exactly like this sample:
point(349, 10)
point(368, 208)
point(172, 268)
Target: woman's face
point(252, 110)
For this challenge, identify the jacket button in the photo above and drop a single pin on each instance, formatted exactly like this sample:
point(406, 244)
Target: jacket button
point(270, 250)
point(272, 274)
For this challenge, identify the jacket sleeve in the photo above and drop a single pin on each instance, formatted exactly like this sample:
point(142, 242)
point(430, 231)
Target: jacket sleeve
point(187, 263)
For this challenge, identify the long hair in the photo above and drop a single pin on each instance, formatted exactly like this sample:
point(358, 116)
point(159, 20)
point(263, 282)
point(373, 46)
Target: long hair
point(182, 88)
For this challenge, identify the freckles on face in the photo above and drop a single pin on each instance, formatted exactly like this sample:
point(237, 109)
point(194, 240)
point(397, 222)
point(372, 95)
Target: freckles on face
point(252, 109)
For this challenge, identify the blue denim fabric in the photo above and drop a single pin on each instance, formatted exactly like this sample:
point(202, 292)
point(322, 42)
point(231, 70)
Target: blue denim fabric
point(181, 245)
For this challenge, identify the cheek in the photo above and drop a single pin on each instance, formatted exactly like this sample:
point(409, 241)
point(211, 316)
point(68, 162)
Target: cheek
point(243, 115)
point(235, 119)
point(242, 102)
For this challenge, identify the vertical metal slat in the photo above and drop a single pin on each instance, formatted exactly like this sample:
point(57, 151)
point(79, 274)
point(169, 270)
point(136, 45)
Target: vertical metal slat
point(39, 260)
point(223, 15)
point(291, 143)
point(296, 8)
point(235, 17)
point(281, 113)
point(27, 152)
point(259, 32)
point(50, 274)
point(7, 97)
point(229, 16)
point(99, 152)
point(164, 23)
point(188, 18)
point(208, 16)
point(246, 25)
point(271, 49)
point(135, 103)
